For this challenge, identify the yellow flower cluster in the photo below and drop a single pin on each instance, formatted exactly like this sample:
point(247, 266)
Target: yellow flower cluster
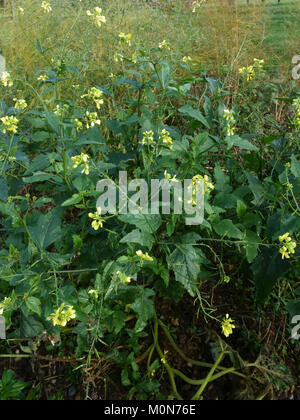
point(42, 78)
point(10, 124)
point(125, 38)
point(166, 139)
point(91, 119)
point(4, 306)
point(230, 121)
point(168, 177)
point(61, 111)
point(164, 357)
point(227, 326)
point(186, 59)
point(250, 71)
point(197, 5)
point(124, 279)
point(164, 45)
point(97, 219)
point(5, 79)
point(46, 7)
point(289, 246)
point(62, 315)
point(208, 186)
point(78, 123)
point(20, 104)
point(82, 159)
point(296, 104)
point(96, 16)
point(96, 95)
point(144, 257)
point(148, 138)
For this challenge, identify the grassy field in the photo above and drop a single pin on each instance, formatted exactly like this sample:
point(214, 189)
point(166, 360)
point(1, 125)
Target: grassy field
point(218, 37)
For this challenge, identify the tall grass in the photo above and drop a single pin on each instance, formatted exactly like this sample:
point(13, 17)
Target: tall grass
point(222, 38)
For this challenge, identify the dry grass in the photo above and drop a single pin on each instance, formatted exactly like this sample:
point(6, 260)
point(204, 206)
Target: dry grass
point(219, 36)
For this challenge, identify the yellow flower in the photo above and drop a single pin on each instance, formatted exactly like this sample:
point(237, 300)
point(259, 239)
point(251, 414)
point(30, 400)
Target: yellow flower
point(20, 104)
point(197, 5)
point(166, 139)
point(230, 121)
point(208, 186)
point(285, 238)
point(21, 10)
point(249, 72)
point(148, 138)
point(143, 256)
point(97, 219)
point(5, 305)
point(91, 119)
point(227, 326)
point(289, 246)
point(46, 7)
point(96, 16)
point(62, 315)
point(186, 60)
point(125, 38)
point(42, 78)
point(124, 279)
point(10, 124)
point(83, 160)
point(164, 357)
point(168, 177)
point(164, 44)
point(5, 79)
point(78, 123)
point(96, 95)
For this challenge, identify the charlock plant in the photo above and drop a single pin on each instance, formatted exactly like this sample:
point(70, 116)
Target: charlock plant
point(65, 267)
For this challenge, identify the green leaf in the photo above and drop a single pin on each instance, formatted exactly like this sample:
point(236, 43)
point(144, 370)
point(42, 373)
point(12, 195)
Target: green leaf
point(293, 307)
point(195, 114)
point(241, 209)
point(38, 177)
point(38, 164)
point(3, 190)
point(53, 121)
point(39, 47)
point(267, 268)
point(252, 245)
point(256, 188)
point(146, 223)
point(203, 142)
point(34, 305)
point(125, 378)
point(30, 327)
point(138, 237)
point(75, 199)
point(165, 75)
point(238, 141)
point(185, 262)
point(222, 180)
point(295, 167)
point(227, 228)
point(40, 136)
point(46, 229)
point(144, 307)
